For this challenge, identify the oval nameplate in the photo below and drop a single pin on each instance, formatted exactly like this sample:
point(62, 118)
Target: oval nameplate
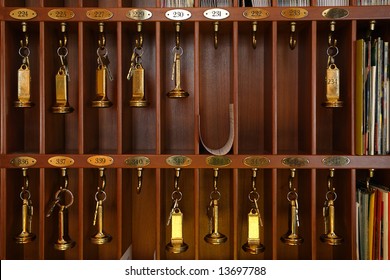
point(139, 14)
point(336, 161)
point(61, 14)
point(178, 14)
point(294, 13)
point(255, 13)
point(334, 13)
point(178, 161)
point(218, 161)
point(216, 14)
point(23, 14)
point(61, 161)
point(99, 14)
point(23, 161)
point(256, 161)
point(100, 161)
point(295, 161)
point(140, 161)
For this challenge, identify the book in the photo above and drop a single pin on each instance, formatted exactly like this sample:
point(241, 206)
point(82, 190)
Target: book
point(359, 97)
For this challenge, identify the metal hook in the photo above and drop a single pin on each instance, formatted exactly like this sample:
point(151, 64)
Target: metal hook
point(290, 179)
point(292, 41)
point(331, 40)
point(103, 179)
point(177, 175)
point(24, 43)
point(254, 175)
point(102, 37)
point(140, 40)
point(139, 174)
point(64, 175)
point(178, 26)
point(370, 176)
point(25, 179)
point(216, 28)
point(215, 179)
point(254, 31)
point(330, 180)
point(64, 41)
point(371, 29)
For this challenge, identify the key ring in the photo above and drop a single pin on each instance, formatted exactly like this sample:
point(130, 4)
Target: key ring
point(177, 50)
point(176, 195)
point(64, 190)
point(25, 194)
point(99, 193)
point(215, 195)
point(331, 193)
point(292, 196)
point(24, 51)
point(253, 196)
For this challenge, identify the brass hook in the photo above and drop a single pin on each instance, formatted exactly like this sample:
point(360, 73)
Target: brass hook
point(102, 37)
point(64, 41)
point(254, 31)
point(139, 175)
point(216, 28)
point(331, 40)
point(140, 40)
point(178, 26)
point(102, 177)
point(24, 43)
point(290, 179)
point(64, 175)
point(370, 176)
point(371, 29)
point(25, 179)
point(330, 180)
point(293, 41)
point(215, 179)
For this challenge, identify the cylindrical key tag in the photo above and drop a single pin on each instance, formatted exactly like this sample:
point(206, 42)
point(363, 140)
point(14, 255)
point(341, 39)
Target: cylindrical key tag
point(101, 100)
point(138, 93)
point(24, 81)
point(332, 80)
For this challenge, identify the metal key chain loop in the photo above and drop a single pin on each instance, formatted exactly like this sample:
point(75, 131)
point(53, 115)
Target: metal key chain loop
point(64, 191)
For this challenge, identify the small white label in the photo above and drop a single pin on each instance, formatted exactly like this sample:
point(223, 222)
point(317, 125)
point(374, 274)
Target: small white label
point(178, 14)
point(216, 14)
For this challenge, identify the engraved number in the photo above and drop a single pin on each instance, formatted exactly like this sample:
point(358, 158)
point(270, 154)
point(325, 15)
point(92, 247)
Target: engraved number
point(332, 81)
point(256, 13)
point(22, 161)
point(294, 13)
point(23, 14)
point(138, 13)
point(60, 161)
point(61, 14)
point(100, 160)
point(178, 14)
point(98, 14)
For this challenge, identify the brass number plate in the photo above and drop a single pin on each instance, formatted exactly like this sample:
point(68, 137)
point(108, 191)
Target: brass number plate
point(61, 161)
point(295, 161)
point(294, 13)
point(335, 13)
point(61, 14)
point(100, 161)
point(336, 161)
point(139, 14)
point(256, 13)
point(179, 161)
point(218, 161)
point(99, 14)
point(137, 161)
point(23, 14)
point(256, 161)
point(23, 161)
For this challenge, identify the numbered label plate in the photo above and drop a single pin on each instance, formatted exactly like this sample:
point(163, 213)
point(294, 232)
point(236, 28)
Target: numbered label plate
point(336, 161)
point(99, 14)
point(178, 14)
point(139, 14)
point(179, 161)
point(335, 13)
point(216, 14)
point(137, 161)
point(295, 13)
point(256, 161)
point(218, 161)
point(255, 13)
point(23, 14)
point(100, 161)
point(295, 161)
point(23, 161)
point(61, 14)
point(61, 161)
